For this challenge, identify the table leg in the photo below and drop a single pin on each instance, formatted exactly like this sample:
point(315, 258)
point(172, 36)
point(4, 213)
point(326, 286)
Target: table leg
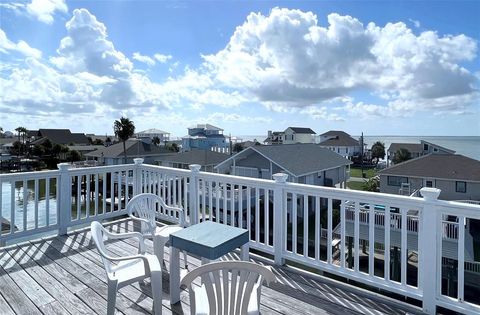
point(244, 252)
point(174, 275)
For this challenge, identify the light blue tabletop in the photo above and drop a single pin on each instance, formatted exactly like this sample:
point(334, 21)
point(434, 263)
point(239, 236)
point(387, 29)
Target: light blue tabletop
point(209, 239)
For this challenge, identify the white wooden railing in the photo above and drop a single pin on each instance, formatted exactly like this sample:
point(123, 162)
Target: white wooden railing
point(297, 223)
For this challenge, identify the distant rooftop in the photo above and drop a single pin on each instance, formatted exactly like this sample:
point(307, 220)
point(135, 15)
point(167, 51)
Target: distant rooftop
point(201, 157)
point(153, 131)
point(61, 136)
point(135, 148)
point(444, 166)
point(302, 130)
point(338, 138)
point(206, 127)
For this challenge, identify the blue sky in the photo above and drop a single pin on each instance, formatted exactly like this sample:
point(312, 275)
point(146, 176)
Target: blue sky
point(382, 68)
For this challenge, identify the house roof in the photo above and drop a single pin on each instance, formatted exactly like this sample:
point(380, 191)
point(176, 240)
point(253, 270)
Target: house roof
point(445, 166)
point(153, 131)
point(302, 130)
point(437, 146)
point(134, 148)
point(338, 139)
point(299, 159)
point(202, 157)
point(206, 127)
point(412, 147)
point(61, 136)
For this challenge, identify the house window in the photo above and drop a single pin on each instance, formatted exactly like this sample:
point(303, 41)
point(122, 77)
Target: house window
point(425, 147)
point(396, 180)
point(435, 150)
point(461, 187)
point(429, 183)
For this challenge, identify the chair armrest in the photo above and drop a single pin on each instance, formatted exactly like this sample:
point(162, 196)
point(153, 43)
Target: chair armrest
point(181, 214)
point(138, 235)
point(138, 219)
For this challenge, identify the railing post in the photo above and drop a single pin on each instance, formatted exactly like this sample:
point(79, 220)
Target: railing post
point(279, 230)
point(65, 189)
point(193, 193)
point(429, 249)
point(137, 185)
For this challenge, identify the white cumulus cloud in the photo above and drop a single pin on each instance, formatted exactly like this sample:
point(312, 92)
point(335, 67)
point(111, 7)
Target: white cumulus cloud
point(162, 58)
point(21, 47)
point(142, 58)
point(44, 10)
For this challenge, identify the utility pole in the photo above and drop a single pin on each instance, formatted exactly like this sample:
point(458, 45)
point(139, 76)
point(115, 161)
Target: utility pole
point(361, 154)
point(230, 142)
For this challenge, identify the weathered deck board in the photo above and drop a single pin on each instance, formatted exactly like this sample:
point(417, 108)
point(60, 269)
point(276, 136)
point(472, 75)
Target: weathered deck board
point(64, 275)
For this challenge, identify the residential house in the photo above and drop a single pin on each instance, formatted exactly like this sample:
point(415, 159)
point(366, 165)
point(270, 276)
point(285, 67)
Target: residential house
point(205, 158)
point(457, 176)
point(136, 148)
point(341, 143)
point(304, 163)
point(291, 135)
point(84, 149)
point(205, 137)
point(416, 149)
point(164, 136)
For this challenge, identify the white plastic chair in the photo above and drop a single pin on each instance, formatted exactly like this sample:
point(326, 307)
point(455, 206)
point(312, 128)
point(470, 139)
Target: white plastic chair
point(125, 270)
point(143, 208)
point(228, 287)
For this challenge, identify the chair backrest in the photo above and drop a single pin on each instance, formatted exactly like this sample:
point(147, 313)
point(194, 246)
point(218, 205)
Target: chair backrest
point(144, 206)
point(229, 285)
point(99, 237)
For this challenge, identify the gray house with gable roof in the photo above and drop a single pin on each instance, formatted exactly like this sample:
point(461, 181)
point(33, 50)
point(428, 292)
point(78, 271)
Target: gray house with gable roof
point(304, 163)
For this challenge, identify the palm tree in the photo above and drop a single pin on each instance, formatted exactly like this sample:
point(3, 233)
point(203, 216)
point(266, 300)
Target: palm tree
point(401, 155)
point(22, 131)
point(156, 140)
point(124, 129)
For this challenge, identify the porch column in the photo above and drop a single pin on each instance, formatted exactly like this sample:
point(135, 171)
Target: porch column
point(65, 187)
point(279, 211)
point(193, 193)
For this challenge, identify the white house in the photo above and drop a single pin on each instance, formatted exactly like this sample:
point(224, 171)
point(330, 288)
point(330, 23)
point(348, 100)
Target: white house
point(291, 135)
point(152, 133)
point(340, 142)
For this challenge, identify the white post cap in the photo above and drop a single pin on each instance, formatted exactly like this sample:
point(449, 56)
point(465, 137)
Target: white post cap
point(280, 177)
point(430, 193)
point(195, 167)
point(138, 161)
point(63, 166)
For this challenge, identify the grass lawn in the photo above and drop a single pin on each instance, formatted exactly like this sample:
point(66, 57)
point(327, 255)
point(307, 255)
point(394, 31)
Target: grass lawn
point(355, 185)
point(357, 172)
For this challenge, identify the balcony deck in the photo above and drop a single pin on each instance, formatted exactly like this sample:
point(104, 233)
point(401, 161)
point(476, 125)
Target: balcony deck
point(64, 275)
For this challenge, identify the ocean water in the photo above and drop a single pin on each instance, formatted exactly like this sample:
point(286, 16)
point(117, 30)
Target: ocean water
point(468, 145)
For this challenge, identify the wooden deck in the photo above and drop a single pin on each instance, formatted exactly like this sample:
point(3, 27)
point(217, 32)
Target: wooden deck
point(64, 275)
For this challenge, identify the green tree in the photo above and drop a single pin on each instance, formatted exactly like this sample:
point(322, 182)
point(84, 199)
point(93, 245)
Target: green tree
point(378, 151)
point(38, 150)
point(124, 128)
point(21, 132)
point(156, 140)
point(373, 184)
point(237, 147)
point(73, 156)
point(401, 155)
point(98, 142)
point(17, 148)
point(173, 147)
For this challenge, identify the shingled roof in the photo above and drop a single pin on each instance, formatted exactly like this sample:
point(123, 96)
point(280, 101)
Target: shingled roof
point(302, 130)
point(134, 147)
point(442, 166)
point(61, 136)
point(202, 157)
point(411, 147)
point(299, 159)
point(338, 139)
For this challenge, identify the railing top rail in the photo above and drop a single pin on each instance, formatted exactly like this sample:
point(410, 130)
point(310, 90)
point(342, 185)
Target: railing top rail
point(100, 169)
point(28, 175)
point(150, 167)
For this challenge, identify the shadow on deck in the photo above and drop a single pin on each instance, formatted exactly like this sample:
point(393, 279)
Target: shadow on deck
point(64, 275)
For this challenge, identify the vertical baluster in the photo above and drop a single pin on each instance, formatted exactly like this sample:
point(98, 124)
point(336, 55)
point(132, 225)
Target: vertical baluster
point(371, 240)
point(305, 225)
point(318, 228)
point(169, 194)
point(217, 199)
point(285, 221)
point(96, 193)
point(104, 193)
point(342, 234)
point(179, 191)
point(204, 198)
point(267, 216)
point(12, 207)
point(387, 243)
point(164, 187)
point(119, 190)
point(461, 258)
point(35, 201)
point(87, 195)
point(232, 204)
point(112, 191)
point(404, 249)
point(126, 187)
point(357, 237)
point(257, 215)
point(329, 231)
point(225, 195)
point(185, 195)
point(174, 187)
point(249, 211)
point(25, 201)
point(294, 223)
point(47, 201)
point(79, 195)
point(240, 206)
point(210, 198)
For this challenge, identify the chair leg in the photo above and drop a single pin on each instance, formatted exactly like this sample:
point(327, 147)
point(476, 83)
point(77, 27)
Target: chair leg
point(112, 296)
point(158, 249)
point(185, 259)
